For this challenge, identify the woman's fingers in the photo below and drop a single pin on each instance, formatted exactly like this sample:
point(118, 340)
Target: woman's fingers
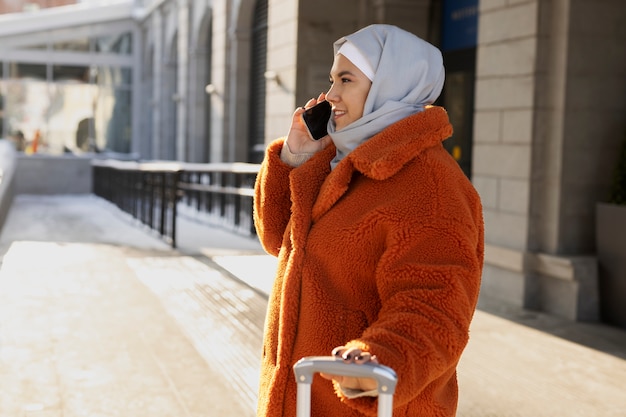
point(365, 357)
point(349, 355)
point(354, 355)
point(312, 102)
point(338, 351)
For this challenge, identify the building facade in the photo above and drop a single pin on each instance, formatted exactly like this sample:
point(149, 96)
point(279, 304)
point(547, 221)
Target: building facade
point(17, 6)
point(535, 90)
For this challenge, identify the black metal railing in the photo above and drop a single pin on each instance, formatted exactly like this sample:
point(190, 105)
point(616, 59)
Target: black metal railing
point(221, 193)
point(157, 193)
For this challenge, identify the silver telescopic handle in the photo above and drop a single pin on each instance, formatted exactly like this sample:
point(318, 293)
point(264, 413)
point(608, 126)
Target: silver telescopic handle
point(306, 367)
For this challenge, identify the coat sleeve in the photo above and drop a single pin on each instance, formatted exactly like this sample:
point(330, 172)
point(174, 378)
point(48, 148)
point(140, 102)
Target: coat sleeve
point(428, 281)
point(272, 202)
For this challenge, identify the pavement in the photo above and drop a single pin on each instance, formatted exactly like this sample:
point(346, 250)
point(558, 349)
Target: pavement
point(99, 317)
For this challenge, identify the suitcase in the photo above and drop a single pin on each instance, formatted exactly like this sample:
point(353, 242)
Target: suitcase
point(306, 367)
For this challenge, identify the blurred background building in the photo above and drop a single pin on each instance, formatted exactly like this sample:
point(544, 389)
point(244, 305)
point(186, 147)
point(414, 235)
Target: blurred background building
point(17, 6)
point(536, 91)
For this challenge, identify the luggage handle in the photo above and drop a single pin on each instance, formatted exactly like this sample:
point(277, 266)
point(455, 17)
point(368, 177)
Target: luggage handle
point(306, 367)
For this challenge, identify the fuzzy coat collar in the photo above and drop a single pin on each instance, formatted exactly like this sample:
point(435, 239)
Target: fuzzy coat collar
point(380, 157)
point(385, 154)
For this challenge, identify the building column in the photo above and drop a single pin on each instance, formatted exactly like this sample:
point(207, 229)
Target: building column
point(239, 90)
point(182, 81)
point(157, 84)
point(198, 103)
point(219, 68)
point(519, 156)
point(138, 110)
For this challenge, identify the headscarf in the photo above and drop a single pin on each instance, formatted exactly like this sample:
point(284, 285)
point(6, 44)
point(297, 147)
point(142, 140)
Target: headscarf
point(408, 75)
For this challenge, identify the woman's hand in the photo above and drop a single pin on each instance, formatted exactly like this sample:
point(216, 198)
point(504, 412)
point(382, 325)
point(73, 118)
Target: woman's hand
point(353, 355)
point(298, 138)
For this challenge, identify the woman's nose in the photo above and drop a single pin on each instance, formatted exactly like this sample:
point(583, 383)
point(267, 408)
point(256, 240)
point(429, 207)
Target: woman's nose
point(331, 95)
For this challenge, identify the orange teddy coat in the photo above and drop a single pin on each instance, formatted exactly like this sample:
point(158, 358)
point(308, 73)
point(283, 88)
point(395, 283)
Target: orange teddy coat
point(383, 253)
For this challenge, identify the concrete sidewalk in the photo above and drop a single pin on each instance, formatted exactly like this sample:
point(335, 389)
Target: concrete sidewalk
point(99, 317)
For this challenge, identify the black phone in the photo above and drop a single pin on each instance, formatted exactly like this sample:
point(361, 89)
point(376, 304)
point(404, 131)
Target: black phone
point(316, 119)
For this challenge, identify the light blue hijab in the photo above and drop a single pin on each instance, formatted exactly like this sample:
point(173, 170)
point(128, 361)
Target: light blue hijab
point(408, 75)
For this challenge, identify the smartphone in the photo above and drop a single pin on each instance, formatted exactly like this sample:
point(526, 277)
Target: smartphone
point(316, 119)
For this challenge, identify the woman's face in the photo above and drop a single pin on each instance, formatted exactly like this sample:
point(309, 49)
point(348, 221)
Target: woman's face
point(348, 91)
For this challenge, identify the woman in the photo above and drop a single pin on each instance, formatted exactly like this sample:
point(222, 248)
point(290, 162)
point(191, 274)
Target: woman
point(378, 232)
